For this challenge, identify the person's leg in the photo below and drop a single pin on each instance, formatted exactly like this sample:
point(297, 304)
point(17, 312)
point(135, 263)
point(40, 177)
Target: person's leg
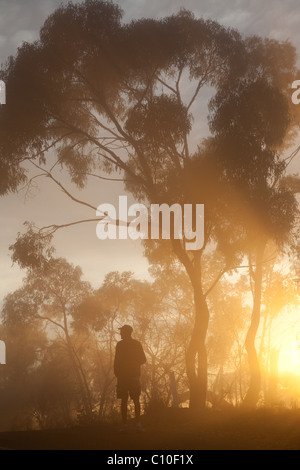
point(124, 402)
point(122, 393)
point(135, 391)
point(137, 409)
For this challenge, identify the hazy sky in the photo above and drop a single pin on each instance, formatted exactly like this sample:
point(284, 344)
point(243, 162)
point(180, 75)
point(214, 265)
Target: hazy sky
point(20, 21)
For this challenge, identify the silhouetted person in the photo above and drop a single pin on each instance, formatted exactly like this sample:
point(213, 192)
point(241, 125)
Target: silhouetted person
point(127, 367)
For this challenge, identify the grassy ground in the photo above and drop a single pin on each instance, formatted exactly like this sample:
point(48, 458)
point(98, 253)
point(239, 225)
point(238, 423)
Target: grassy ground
point(174, 430)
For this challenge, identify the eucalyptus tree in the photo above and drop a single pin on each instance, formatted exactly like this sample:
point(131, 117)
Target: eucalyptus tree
point(99, 98)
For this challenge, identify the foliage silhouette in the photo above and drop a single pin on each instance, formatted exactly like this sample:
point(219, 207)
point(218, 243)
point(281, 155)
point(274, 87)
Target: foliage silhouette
point(103, 97)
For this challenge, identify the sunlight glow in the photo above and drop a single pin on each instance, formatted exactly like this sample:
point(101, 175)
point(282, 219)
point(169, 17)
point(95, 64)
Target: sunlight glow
point(289, 359)
point(286, 337)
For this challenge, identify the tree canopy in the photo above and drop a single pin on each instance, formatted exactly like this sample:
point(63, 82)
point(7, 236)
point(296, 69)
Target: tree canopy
point(97, 97)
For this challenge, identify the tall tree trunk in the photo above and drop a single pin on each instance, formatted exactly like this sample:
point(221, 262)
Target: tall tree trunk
point(252, 395)
point(196, 358)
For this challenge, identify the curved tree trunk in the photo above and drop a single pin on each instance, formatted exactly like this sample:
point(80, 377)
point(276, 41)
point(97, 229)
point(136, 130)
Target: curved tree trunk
point(252, 395)
point(196, 358)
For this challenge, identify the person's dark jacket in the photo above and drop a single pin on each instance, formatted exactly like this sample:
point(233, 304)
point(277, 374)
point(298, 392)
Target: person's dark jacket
point(128, 358)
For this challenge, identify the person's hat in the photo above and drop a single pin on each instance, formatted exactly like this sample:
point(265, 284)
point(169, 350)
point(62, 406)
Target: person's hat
point(127, 329)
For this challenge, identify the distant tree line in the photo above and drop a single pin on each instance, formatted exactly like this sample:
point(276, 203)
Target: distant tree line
point(61, 336)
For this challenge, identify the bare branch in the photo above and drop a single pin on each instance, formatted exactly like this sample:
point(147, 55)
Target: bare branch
point(292, 156)
point(100, 124)
point(114, 157)
point(202, 79)
point(54, 227)
point(41, 317)
point(104, 178)
point(178, 94)
point(134, 144)
point(46, 149)
point(199, 86)
point(215, 282)
point(49, 175)
point(165, 84)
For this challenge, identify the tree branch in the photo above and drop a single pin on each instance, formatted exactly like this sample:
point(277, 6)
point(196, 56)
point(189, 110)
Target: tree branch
point(41, 317)
point(78, 201)
point(215, 282)
point(54, 227)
